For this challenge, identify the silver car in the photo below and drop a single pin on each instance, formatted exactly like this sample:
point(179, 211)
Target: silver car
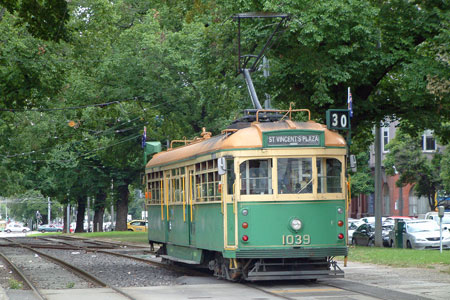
point(424, 234)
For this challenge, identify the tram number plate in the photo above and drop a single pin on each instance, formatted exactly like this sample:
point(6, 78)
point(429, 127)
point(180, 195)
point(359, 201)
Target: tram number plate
point(296, 239)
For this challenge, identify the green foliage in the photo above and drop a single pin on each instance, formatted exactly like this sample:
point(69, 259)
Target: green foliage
point(445, 169)
point(45, 19)
point(15, 285)
point(362, 181)
point(170, 65)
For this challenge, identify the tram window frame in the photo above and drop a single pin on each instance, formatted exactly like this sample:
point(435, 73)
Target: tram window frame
point(250, 177)
point(206, 181)
point(154, 187)
point(295, 175)
point(324, 176)
point(174, 179)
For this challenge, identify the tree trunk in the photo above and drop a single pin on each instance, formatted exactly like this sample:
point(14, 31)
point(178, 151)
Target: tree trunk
point(65, 221)
point(122, 208)
point(99, 210)
point(81, 210)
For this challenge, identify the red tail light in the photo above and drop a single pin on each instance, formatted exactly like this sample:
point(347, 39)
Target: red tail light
point(245, 238)
point(340, 223)
point(341, 236)
point(245, 225)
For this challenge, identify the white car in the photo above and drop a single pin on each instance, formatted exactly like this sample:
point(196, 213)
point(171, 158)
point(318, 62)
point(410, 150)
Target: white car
point(423, 234)
point(16, 228)
point(434, 216)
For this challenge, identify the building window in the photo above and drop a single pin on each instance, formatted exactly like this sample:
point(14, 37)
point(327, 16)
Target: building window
point(428, 142)
point(385, 138)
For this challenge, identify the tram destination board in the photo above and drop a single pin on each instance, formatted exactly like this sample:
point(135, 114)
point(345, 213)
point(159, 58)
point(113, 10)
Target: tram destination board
point(338, 119)
point(293, 139)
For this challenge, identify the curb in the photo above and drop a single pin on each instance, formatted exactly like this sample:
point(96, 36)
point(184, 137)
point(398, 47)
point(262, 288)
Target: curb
point(3, 294)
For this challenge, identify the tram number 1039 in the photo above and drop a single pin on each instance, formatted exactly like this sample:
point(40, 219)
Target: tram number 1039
point(296, 239)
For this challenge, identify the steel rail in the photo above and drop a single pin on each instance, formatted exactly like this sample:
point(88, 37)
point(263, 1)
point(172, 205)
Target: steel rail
point(115, 244)
point(23, 277)
point(76, 270)
point(188, 271)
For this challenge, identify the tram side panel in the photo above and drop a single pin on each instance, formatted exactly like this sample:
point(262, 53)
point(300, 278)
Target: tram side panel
point(157, 225)
point(207, 226)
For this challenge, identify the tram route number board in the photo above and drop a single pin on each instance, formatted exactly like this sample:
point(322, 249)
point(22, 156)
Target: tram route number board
point(338, 119)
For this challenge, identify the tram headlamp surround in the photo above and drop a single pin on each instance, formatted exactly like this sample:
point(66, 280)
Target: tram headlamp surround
point(340, 210)
point(296, 224)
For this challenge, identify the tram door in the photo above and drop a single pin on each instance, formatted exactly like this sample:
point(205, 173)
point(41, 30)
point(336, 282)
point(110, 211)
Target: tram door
point(229, 206)
point(189, 207)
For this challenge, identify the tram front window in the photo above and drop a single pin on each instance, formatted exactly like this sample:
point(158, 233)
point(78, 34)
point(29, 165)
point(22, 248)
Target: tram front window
point(294, 175)
point(256, 177)
point(329, 173)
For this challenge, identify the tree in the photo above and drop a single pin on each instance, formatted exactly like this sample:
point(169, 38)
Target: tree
point(405, 156)
point(362, 180)
point(44, 19)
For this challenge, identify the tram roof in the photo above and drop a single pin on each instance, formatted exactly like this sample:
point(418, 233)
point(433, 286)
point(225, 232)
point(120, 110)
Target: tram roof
point(246, 138)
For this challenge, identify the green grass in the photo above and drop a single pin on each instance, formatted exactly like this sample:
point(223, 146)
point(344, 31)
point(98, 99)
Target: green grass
point(430, 259)
point(121, 236)
point(15, 285)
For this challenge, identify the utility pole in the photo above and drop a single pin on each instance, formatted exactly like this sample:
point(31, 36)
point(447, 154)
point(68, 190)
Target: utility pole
point(88, 213)
point(68, 218)
point(49, 211)
point(378, 213)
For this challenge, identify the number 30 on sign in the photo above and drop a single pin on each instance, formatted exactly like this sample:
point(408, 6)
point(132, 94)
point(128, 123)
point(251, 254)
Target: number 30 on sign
point(338, 119)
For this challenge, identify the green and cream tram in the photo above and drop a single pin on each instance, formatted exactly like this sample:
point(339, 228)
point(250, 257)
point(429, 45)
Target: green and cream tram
point(264, 202)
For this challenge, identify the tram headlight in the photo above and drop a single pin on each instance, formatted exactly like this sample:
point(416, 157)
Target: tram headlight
point(340, 210)
point(296, 224)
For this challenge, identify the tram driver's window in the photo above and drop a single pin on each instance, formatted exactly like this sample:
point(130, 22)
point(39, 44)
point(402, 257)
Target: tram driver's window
point(294, 175)
point(329, 174)
point(256, 177)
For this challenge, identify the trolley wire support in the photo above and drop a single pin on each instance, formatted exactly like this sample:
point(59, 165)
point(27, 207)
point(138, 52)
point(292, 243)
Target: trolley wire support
point(244, 59)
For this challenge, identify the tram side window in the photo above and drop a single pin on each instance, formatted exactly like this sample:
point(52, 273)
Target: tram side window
point(154, 187)
point(256, 177)
point(207, 181)
point(329, 174)
point(294, 175)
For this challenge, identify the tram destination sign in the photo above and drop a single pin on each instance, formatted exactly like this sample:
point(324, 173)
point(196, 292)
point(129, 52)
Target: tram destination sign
point(293, 139)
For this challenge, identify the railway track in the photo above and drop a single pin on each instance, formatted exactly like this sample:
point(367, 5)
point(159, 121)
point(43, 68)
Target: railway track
point(113, 264)
point(39, 270)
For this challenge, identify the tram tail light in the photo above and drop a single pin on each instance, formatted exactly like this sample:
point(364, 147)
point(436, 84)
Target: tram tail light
point(340, 236)
point(245, 225)
point(245, 238)
point(340, 223)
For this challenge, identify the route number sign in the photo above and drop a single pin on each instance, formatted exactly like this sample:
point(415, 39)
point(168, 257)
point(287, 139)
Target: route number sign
point(338, 119)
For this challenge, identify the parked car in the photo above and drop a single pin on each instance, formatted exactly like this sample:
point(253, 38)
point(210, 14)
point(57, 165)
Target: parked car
point(16, 228)
point(392, 219)
point(352, 225)
point(445, 220)
point(49, 228)
point(364, 235)
point(137, 225)
point(423, 234)
point(387, 227)
point(371, 219)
